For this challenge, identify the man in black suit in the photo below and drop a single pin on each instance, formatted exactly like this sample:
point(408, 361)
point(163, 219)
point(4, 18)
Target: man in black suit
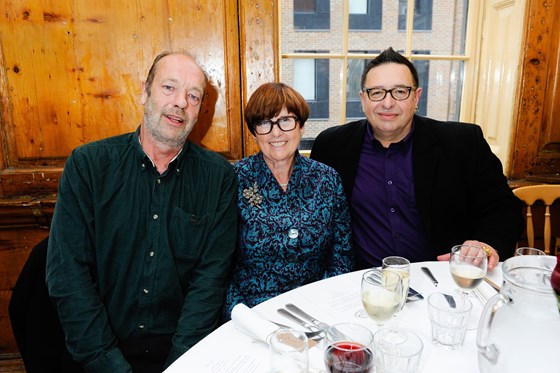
point(417, 186)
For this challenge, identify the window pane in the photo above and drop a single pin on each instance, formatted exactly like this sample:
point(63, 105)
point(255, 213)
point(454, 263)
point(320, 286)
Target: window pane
point(311, 15)
point(357, 6)
point(365, 15)
point(311, 78)
point(422, 14)
point(448, 30)
point(442, 86)
point(325, 109)
point(304, 78)
point(305, 6)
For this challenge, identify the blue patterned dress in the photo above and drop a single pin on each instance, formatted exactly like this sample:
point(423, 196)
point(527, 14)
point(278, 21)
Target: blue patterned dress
point(288, 239)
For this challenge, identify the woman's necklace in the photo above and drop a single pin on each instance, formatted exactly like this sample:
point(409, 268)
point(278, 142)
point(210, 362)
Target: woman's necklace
point(284, 185)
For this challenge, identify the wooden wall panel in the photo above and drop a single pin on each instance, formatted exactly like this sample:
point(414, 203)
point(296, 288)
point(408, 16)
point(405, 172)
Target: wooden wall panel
point(73, 72)
point(259, 51)
point(536, 137)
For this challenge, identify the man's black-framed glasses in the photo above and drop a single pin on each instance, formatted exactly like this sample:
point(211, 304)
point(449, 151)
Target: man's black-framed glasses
point(398, 93)
point(286, 124)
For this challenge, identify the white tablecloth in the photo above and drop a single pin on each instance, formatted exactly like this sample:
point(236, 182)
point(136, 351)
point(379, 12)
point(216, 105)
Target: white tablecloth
point(337, 299)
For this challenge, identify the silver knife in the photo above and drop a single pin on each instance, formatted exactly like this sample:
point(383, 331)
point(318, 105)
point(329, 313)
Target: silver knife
point(296, 319)
point(429, 273)
point(295, 309)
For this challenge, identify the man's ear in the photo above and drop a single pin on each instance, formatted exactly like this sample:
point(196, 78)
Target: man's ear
point(144, 94)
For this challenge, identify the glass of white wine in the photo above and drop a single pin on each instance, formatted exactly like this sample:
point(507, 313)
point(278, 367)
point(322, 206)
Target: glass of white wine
point(401, 266)
point(468, 266)
point(381, 294)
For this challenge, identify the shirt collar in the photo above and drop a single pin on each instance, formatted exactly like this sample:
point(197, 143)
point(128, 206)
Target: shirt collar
point(407, 141)
point(143, 157)
point(267, 174)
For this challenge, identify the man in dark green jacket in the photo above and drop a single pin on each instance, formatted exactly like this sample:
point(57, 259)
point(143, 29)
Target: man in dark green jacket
point(143, 233)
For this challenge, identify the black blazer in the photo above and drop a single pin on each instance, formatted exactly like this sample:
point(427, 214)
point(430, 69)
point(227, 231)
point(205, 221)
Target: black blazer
point(461, 191)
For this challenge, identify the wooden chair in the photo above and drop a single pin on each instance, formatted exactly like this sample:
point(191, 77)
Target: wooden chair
point(547, 193)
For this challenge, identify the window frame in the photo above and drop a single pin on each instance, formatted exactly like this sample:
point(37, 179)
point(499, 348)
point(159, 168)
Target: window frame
point(467, 56)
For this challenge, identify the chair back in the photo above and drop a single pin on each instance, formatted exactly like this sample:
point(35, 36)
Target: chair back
point(547, 193)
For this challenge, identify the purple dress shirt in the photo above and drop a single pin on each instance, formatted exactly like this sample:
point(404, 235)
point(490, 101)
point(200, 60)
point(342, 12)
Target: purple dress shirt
point(385, 219)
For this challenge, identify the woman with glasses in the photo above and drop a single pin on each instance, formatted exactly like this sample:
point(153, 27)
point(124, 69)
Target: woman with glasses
point(294, 222)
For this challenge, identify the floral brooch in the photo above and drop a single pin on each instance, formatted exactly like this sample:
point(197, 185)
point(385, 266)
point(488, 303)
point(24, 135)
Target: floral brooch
point(253, 196)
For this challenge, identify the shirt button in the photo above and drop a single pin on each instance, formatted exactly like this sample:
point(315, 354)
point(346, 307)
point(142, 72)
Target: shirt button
point(159, 181)
point(389, 182)
point(392, 209)
point(155, 216)
point(146, 291)
point(152, 253)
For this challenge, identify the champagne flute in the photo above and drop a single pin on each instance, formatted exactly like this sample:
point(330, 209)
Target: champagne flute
point(401, 266)
point(381, 294)
point(468, 266)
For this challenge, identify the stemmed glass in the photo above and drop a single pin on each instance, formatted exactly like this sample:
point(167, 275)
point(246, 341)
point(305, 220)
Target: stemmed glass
point(382, 293)
point(401, 266)
point(468, 266)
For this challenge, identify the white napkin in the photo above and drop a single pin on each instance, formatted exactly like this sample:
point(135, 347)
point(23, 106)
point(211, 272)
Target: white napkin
point(251, 322)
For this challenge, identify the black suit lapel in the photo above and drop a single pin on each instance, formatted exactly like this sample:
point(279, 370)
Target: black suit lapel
point(425, 155)
point(350, 157)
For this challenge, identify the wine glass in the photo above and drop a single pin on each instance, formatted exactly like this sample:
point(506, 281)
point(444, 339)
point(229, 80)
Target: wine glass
point(468, 266)
point(382, 293)
point(348, 349)
point(401, 266)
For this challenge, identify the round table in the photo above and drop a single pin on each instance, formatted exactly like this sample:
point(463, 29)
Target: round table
point(333, 300)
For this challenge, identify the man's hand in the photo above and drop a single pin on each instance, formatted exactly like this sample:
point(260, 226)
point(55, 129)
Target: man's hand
point(493, 258)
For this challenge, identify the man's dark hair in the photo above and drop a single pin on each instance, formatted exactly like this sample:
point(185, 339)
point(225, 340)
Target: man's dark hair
point(390, 56)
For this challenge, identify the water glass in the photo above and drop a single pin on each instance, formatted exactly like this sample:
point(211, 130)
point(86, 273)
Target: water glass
point(397, 350)
point(529, 251)
point(288, 351)
point(449, 316)
point(348, 348)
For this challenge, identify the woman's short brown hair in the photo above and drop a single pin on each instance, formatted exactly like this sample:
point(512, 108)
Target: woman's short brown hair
point(269, 99)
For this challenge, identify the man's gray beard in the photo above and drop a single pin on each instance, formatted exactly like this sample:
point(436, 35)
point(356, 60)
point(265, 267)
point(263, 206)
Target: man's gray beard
point(151, 119)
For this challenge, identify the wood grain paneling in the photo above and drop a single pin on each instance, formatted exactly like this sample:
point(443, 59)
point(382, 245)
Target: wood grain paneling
point(536, 137)
point(72, 73)
point(259, 48)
